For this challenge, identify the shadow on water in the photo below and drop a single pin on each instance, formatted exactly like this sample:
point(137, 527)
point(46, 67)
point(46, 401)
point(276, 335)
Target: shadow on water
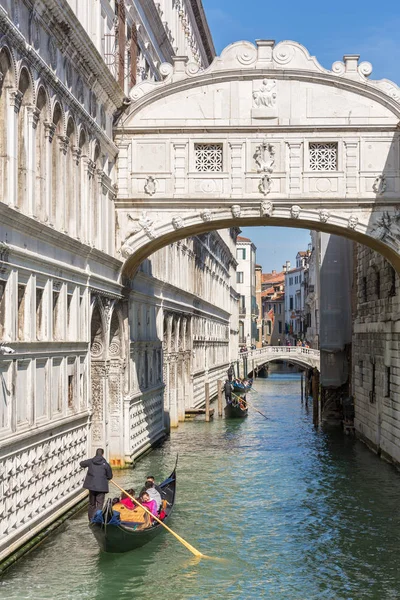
point(299, 514)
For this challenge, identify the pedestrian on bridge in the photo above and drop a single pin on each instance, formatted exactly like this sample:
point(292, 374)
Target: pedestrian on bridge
point(96, 481)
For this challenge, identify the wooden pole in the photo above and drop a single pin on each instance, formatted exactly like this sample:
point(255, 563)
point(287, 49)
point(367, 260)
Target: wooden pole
point(315, 394)
point(254, 370)
point(207, 402)
point(302, 387)
point(220, 407)
point(178, 537)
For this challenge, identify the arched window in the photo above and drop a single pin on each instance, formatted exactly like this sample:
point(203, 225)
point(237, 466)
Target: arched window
point(56, 195)
point(25, 90)
point(41, 155)
point(5, 82)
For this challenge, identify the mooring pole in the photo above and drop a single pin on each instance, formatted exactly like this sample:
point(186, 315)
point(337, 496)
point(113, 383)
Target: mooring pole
point(254, 370)
point(302, 387)
point(207, 402)
point(219, 398)
point(315, 395)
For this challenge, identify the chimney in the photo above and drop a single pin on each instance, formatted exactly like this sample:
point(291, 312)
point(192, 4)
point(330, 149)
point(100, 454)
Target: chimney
point(284, 268)
point(287, 265)
point(273, 272)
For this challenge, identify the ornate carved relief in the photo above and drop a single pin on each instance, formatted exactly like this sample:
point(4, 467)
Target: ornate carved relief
point(265, 160)
point(267, 208)
point(264, 100)
point(206, 215)
point(380, 185)
point(352, 222)
point(236, 211)
point(387, 228)
point(177, 223)
point(150, 187)
point(295, 211)
point(324, 215)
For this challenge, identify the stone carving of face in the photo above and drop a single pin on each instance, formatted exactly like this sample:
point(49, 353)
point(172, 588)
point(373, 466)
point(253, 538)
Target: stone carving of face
point(177, 222)
point(206, 215)
point(352, 222)
point(295, 211)
point(324, 215)
point(236, 210)
point(266, 209)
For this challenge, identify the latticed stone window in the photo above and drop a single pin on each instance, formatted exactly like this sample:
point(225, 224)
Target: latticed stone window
point(208, 158)
point(323, 156)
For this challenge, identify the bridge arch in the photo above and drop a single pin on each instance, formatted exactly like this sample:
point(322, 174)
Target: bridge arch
point(264, 136)
point(307, 358)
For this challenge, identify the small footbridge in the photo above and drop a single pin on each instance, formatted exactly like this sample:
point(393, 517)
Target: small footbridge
point(304, 357)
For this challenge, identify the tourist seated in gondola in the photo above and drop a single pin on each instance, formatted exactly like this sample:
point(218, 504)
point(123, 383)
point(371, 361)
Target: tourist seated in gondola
point(147, 502)
point(159, 490)
point(153, 493)
point(126, 501)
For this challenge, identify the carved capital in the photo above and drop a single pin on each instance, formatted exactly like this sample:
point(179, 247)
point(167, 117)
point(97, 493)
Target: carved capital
point(49, 130)
point(76, 153)
point(63, 142)
point(16, 99)
point(33, 115)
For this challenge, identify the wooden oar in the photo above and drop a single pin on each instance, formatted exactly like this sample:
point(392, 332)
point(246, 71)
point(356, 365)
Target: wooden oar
point(252, 406)
point(178, 537)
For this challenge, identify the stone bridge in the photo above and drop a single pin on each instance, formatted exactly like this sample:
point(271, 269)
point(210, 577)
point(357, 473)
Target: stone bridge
point(304, 357)
point(264, 136)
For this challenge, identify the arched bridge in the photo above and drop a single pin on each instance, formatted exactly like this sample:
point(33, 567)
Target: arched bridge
point(304, 357)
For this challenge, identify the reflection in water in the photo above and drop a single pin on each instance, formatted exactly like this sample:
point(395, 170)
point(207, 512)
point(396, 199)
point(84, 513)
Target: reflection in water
point(298, 515)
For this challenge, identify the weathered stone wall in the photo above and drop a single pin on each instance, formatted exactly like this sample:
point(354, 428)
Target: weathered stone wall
point(376, 354)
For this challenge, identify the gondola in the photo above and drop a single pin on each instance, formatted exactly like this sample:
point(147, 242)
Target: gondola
point(122, 537)
point(235, 411)
point(240, 387)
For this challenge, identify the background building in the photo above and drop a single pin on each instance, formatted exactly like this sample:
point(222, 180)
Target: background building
point(273, 308)
point(246, 287)
point(294, 298)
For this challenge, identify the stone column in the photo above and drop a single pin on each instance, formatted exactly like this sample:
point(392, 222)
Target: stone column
point(49, 129)
point(99, 377)
point(33, 115)
point(61, 201)
point(13, 107)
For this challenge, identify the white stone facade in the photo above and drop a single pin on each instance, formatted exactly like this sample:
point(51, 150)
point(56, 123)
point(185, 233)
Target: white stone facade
point(87, 368)
point(376, 346)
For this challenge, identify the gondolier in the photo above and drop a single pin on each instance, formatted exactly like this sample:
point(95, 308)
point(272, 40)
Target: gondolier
point(228, 389)
point(96, 481)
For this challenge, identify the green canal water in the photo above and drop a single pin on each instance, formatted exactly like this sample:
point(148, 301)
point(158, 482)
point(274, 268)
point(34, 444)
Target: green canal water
point(295, 514)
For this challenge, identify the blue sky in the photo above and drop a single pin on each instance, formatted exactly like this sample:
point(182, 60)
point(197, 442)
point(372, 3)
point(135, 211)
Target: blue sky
point(328, 31)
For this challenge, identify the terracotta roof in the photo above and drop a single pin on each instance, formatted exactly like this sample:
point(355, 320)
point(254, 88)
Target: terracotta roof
point(302, 253)
point(243, 239)
point(273, 277)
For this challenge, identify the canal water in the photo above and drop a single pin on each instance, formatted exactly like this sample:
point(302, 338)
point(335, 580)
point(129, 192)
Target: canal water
point(293, 514)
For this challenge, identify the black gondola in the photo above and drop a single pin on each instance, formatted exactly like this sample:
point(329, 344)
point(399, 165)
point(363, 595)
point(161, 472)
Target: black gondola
point(237, 410)
point(122, 537)
point(242, 387)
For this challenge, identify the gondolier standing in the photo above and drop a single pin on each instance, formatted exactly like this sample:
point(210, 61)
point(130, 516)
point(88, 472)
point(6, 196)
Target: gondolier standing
point(96, 480)
point(231, 373)
point(228, 391)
